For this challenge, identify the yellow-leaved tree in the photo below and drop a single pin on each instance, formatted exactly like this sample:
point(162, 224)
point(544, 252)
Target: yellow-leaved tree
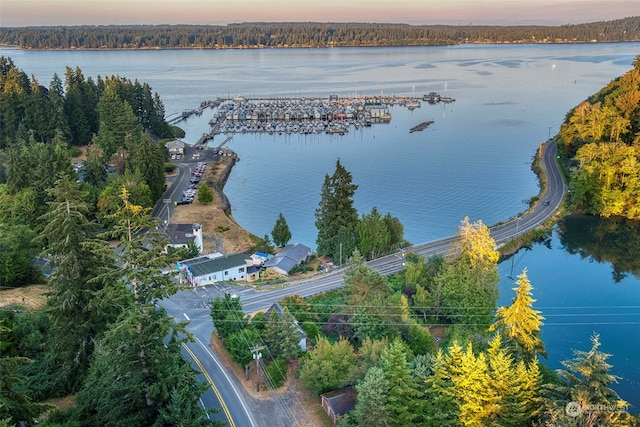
point(520, 323)
point(477, 244)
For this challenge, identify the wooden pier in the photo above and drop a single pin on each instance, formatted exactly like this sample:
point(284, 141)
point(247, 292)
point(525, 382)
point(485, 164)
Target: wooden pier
point(422, 126)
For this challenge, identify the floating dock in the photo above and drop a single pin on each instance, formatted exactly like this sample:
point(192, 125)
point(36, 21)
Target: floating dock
point(422, 126)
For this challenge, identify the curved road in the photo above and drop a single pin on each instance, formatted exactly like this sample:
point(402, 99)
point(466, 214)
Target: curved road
point(191, 304)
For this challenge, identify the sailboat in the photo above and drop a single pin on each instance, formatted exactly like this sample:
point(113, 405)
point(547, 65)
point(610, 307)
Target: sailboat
point(446, 98)
point(413, 102)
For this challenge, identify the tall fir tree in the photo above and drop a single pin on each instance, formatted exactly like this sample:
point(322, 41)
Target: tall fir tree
point(520, 323)
point(336, 217)
point(281, 233)
point(78, 309)
point(586, 381)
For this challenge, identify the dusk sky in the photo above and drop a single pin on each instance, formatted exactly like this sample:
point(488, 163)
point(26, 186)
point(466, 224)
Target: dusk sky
point(464, 12)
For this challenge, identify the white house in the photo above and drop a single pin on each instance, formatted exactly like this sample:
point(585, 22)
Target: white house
point(181, 234)
point(213, 268)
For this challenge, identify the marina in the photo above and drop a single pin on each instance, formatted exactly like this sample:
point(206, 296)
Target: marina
point(333, 115)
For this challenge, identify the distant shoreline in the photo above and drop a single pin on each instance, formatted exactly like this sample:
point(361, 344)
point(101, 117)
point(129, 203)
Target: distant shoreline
point(107, 49)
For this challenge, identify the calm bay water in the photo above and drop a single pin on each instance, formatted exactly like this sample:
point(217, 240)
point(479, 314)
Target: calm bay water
point(473, 161)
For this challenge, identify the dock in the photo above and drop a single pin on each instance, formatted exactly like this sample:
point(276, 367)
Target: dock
point(422, 126)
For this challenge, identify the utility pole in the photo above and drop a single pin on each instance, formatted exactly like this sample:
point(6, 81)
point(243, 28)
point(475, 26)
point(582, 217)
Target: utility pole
point(257, 356)
point(167, 202)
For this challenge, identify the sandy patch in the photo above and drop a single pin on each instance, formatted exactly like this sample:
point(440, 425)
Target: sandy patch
point(220, 232)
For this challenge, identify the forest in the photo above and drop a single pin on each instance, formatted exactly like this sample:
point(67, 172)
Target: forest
point(309, 35)
point(102, 340)
point(599, 142)
point(100, 337)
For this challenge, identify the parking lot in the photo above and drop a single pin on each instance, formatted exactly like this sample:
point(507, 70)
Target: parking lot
point(190, 192)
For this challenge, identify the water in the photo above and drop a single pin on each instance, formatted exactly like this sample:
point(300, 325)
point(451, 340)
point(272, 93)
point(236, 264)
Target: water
point(473, 161)
point(580, 294)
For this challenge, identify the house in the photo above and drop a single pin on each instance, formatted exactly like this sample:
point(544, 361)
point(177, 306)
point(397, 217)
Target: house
point(277, 308)
point(259, 258)
point(288, 257)
point(181, 234)
point(176, 147)
point(215, 267)
point(338, 402)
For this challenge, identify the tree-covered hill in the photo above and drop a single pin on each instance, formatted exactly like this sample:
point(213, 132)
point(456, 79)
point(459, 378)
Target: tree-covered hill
point(600, 141)
point(309, 34)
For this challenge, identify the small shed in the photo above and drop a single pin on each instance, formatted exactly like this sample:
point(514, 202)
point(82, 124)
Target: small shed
point(339, 402)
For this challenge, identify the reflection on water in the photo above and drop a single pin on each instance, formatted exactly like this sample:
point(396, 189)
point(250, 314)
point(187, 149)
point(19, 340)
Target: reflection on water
point(604, 240)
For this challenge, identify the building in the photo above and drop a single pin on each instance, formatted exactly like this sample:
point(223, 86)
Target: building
point(277, 308)
point(338, 402)
point(288, 257)
point(181, 234)
point(216, 267)
point(176, 147)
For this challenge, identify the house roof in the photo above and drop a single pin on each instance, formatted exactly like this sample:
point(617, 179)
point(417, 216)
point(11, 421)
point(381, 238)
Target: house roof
point(341, 401)
point(204, 265)
point(278, 309)
point(180, 233)
point(288, 257)
point(176, 143)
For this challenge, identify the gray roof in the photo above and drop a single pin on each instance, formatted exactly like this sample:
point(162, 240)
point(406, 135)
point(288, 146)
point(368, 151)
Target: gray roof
point(288, 257)
point(180, 234)
point(341, 401)
point(202, 266)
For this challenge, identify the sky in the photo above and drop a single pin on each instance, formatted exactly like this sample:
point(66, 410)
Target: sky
point(18, 13)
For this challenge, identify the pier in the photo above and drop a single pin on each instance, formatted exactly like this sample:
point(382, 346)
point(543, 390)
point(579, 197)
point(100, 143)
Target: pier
point(178, 117)
point(422, 126)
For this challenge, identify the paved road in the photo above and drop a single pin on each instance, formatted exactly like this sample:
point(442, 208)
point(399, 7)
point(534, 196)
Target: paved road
point(192, 304)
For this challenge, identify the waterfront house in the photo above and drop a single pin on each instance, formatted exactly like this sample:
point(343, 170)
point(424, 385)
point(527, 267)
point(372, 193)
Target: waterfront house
point(288, 257)
point(216, 267)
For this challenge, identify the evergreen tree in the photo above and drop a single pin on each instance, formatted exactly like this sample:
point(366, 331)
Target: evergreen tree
point(336, 217)
point(16, 255)
point(586, 381)
point(227, 316)
point(442, 407)
point(139, 376)
point(372, 233)
point(76, 304)
point(141, 253)
point(16, 406)
point(281, 233)
point(117, 120)
point(371, 401)
point(510, 398)
point(281, 335)
point(146, 161)
point(402, 395)
point(520, 323)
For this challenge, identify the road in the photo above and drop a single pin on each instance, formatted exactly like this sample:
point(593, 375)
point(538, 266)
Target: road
point(192, 304)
